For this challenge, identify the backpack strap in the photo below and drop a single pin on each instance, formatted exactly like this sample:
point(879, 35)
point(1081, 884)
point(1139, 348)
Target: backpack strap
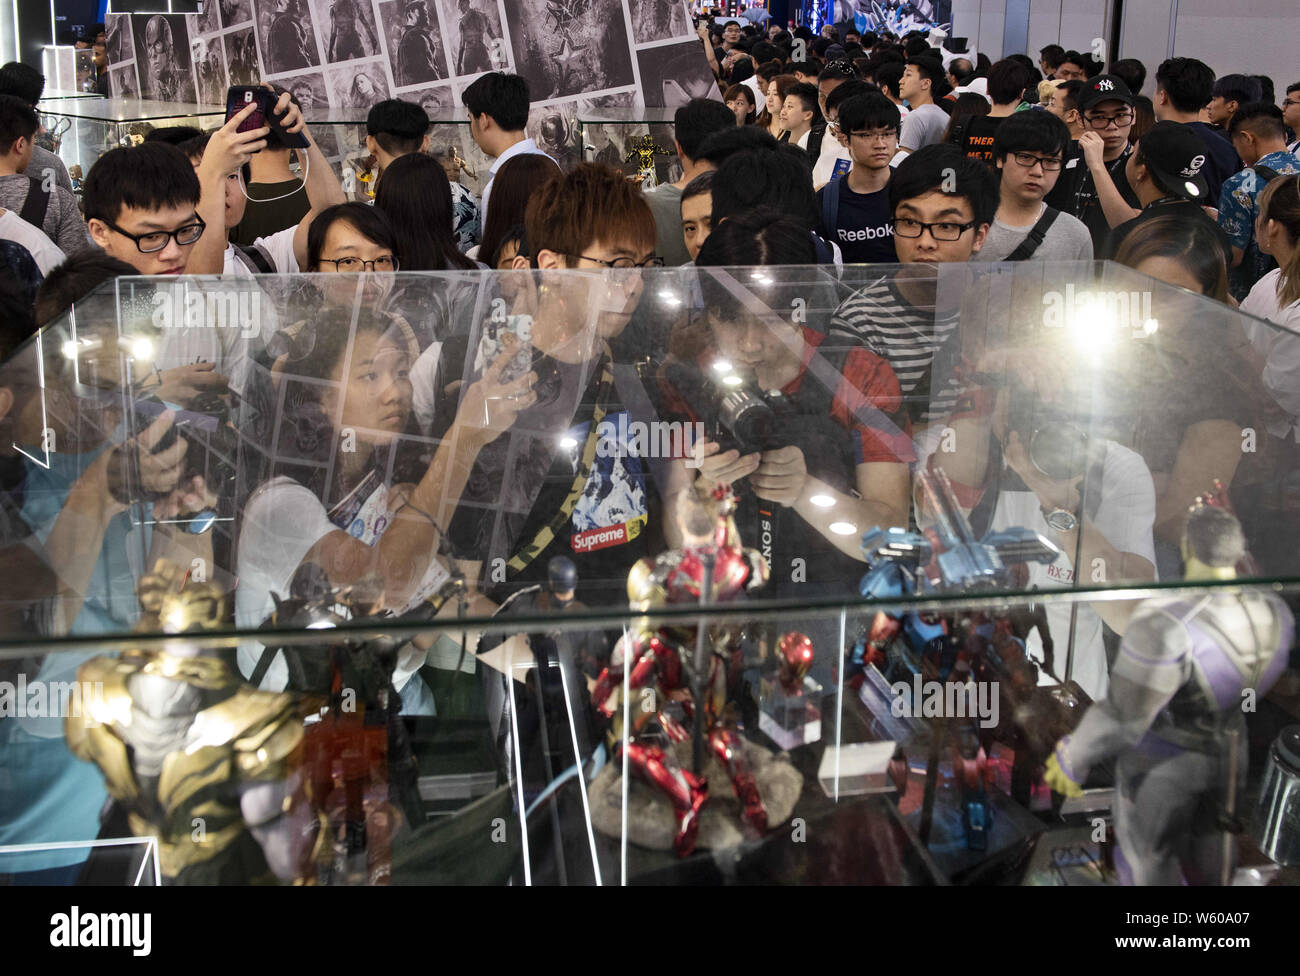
point(1266, 173)
point(36, 204)
point(256, 258)
point(831, 205)
point(1035, 237)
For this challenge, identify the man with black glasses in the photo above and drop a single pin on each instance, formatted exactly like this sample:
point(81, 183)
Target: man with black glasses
point(854, 208)
point(1093, 187)
point(1028, 149)
point(1291, 115)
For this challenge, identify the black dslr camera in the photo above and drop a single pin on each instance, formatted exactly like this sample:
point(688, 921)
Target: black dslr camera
point(1056, 439)
point(735, 411)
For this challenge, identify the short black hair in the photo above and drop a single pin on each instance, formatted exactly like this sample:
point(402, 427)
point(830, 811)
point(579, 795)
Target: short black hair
point(1036, 132)
point(934, 167)
point(807, 94)
point(1131, 71)
point(722, 145)
point(22, 81)
point(850, 89)
point(1008, 80)
point(1237, 88)
point(150, 176)
point(765, 51)
point(699, 186)
point(1293, 88)
point(17, 121)
point(917, 45)
point(1052, 55)
point(371, 222)
point(1188, 83)
point(869, 111)
point(1090, 65)
point(929, 67)
point(1070, 93)
point(399, 126)
point(698, 119)
point(889, 75)
point(1267, 93)
point(1262, 118)
point(837, 70)
point(196, 147)
point(502, 96)
point(765, 236)
point(74, 279)
point(173, 135)
point(779, 177)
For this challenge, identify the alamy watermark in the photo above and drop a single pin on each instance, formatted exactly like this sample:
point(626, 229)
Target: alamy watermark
point(184, 307)
point(946, 699)
point(50, 699)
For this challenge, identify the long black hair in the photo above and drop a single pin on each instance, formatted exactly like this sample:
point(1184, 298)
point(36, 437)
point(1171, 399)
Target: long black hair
point(370, 223)
point(415, 195)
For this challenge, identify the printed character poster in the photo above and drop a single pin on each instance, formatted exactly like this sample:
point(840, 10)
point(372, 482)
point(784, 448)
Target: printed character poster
point(349, 29)
point(474, 36)
point(241, 57)
point(207, 21)
point(119, 43)
point(285, 36)
point(210, 69)
point(235, 12)
point(357, 85)
point(568, 47)
point(673, 74)
point(163, 43)
point(415, 49)
point(658, 20)
point(309, 90)
point(122, 82)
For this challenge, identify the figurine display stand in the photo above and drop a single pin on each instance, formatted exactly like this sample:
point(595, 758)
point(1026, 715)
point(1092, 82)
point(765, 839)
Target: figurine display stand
point(790, 719)
point(651, 820)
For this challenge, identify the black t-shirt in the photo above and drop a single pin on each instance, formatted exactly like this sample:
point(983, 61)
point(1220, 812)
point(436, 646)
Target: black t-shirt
point(271, 208)
point(1075, 193)
point(864, 224)
point(976, 138)
point(1182, 209)
point(521, 481)
point(1223, 160)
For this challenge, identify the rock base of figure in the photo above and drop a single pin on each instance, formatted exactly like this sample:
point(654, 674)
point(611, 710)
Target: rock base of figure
point(651, 821)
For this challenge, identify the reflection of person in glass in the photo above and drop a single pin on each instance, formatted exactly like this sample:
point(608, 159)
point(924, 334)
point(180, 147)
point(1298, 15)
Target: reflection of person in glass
point(286, 40)
point(346, 25)
point(475, 38)
point(159, 45)
point(416, 57)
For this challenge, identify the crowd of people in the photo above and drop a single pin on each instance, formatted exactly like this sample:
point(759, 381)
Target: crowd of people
point(478, 408)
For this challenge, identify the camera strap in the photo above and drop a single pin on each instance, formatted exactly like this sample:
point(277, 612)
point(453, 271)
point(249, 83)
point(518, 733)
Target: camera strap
point(547, 533)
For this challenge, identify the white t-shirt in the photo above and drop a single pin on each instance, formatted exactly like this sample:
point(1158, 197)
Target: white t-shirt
point(1281, 348)
point(832, 155)
point(278, 245)
point(1125, 517)
point(924, 126)
point(423, 395)
point(44, 251)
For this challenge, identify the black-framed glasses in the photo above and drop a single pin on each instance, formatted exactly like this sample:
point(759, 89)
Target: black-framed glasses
point(881, 135)
point(940, 231)
point(385, 262)
point(1050, 164)
point(1106, 121)
point(156, 240)
point(1291, 101)
point(625, 264)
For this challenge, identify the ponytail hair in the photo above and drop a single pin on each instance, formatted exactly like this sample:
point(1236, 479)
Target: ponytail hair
point(1280, 201)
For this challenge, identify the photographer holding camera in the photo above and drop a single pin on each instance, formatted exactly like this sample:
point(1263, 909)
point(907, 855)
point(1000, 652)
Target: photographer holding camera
point(1018, 455)
point(798, 427)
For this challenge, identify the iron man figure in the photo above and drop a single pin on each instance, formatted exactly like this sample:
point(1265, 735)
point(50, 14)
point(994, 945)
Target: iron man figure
point(655, 662)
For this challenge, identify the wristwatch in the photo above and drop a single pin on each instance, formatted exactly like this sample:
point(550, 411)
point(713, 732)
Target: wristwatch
point(1060, 519)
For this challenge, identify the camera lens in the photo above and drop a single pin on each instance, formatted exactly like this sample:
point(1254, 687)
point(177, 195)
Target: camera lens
point(1059, 450)
point(747, 418)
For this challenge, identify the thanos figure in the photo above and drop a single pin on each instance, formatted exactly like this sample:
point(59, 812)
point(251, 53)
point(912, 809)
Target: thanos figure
point(198, 758)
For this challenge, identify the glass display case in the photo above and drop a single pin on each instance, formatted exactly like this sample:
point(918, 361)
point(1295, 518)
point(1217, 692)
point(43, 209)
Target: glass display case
point(640, 145)
point(444, 580)
point(82, 130)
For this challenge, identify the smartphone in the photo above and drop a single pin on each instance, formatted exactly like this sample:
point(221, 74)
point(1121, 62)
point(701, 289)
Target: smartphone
point(238, 97)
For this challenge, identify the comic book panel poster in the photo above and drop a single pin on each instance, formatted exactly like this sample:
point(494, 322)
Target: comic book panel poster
point(474, 36)
point(348, 29)
point(309, 90)
point(209, 70)
point(234, 12)
point(119, 42)
point(673, 74)
point(122, 82)
point(357, 85)
point(659, 20)
point(569, 47)
point(163, 43)
point(415, 49)
point(241, 58)
point(207, 21)
point(285, 36)
point(438, 101)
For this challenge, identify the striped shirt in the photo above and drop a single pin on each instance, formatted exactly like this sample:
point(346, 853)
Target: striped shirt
point(908, 336)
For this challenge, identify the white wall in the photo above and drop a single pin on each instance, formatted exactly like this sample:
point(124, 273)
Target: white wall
point(1072, 24)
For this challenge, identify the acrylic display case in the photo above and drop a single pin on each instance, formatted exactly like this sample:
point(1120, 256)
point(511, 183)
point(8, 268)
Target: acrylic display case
point(341, 606)
point(639, 146)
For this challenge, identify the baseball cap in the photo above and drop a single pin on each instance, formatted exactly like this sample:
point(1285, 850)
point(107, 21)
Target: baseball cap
point(1176, 155)
point(1103, 88)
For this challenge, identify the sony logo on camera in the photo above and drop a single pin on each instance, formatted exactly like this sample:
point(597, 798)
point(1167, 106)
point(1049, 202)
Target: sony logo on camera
point(186, 307)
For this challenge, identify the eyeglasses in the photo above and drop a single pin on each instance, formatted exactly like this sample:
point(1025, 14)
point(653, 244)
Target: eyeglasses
point(942, 231)
point(157, 240)
point(1291, 101)
point(1105, 121)
point(625, 264)
point(385, 262)
point(883, 135)
point(1050, 164)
